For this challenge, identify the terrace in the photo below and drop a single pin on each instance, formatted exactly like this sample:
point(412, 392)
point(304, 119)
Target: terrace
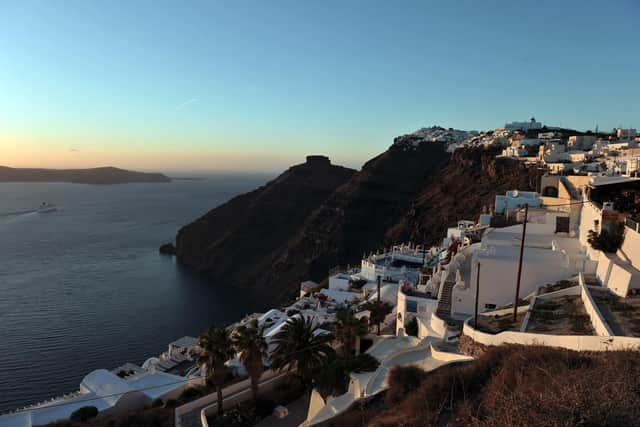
point(562, 315)
point(622, 314)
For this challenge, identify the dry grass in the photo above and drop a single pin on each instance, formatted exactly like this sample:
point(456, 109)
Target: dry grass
point(520, 386)
point(622, 314)
point(559, 285)
point(496, 324)
point(560, 316)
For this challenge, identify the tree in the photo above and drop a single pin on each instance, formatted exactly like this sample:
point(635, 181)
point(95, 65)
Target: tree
point(333, 378)
point(215, 348)
point(411, 327)
point(249, 341)
point(608, 240)
point(348, 329)
point(84, 413)
point(379, 311)
point(301, 347)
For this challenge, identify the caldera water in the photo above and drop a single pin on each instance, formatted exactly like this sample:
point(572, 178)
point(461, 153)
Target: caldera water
point(84, 287)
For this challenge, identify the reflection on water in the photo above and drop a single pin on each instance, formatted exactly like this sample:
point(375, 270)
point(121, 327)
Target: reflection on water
point(84, 287)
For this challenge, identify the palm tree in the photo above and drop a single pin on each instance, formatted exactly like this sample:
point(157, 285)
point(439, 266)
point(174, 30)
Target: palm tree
point(300, 346)
point(214, 350)
point(379, 311)
point(348, 329)
point(333, 378)
point(249, 341)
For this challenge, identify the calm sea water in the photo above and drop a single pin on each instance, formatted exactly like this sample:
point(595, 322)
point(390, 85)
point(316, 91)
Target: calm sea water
point(85, 288)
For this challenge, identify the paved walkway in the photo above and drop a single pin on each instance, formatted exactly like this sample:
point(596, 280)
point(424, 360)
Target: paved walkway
point(297, 415)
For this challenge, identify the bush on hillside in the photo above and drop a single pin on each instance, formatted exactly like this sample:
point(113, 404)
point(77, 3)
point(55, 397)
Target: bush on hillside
point(522, 386)
point(411, 327)
point(190, 393)
point(402, 381)
point(608, 240)
point(85, 413)
point(263, 407)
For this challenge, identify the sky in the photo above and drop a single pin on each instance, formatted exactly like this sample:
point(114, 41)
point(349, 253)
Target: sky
point(257, 85)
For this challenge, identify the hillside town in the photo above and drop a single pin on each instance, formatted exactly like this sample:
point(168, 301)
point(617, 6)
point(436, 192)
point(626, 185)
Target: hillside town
point(556, 267)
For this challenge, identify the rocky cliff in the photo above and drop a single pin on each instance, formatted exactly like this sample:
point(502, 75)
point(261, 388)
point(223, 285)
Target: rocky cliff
point(238, 243)
point(316, 216)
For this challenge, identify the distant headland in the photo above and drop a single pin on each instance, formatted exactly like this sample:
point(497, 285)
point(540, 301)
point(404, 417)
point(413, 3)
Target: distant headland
point(103, 175)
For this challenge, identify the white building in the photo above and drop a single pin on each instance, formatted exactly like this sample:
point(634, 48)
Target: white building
point(626, 134)
point(530, 125)
point(512, 151)
point(514, 200)
point(549, 135)
point(633, 167)
point(107, 392)
point(581, 142)
point(398, 263)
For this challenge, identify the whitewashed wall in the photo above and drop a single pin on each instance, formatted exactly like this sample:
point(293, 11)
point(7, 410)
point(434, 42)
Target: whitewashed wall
point(570, 342)
point(631, 247)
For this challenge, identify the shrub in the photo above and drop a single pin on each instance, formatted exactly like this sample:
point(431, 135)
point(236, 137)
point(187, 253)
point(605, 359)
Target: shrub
point(607, 240)
point(125, 373)
point(190, 393)
point(411, 327)
point(263, 407)
point(239, 416)
point(85, 413)
point(403, 380)
point(171, 403)
point(363, 362)
point(570, 388)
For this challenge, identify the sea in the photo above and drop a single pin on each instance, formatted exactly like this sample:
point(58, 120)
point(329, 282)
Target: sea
point(84, 287)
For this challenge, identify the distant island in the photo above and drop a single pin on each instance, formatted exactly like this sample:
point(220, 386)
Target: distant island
point(103, 175)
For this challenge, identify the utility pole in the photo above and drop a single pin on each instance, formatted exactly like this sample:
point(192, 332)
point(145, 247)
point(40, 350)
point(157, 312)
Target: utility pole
point(378, 303)
point(477, 295)
point(524, 231)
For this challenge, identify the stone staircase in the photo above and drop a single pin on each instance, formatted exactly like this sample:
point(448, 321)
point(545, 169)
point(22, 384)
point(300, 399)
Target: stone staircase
point(444, 303)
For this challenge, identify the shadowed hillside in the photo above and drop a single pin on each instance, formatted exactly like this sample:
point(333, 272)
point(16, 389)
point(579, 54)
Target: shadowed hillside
point(512, 386)
point(314, 217)
point(239, 242)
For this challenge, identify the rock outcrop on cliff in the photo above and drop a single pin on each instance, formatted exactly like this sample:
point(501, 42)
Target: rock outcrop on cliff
point(316, 216)
point(238, 243)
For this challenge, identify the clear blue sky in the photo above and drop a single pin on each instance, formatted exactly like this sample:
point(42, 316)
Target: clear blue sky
point(212, 85)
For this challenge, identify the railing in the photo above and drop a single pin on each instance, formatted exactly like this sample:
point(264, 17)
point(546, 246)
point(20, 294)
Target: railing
point(633, 225)
point(410, 292)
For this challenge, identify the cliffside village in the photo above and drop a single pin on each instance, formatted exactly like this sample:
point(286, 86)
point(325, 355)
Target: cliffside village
point(559, 267)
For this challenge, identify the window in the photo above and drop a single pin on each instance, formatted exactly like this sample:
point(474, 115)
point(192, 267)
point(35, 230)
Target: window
point(412, 306)
point(550, 192)
point(562, 224)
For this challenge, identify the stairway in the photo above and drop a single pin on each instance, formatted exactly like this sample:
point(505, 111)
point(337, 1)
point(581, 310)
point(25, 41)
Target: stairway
point(444, 303)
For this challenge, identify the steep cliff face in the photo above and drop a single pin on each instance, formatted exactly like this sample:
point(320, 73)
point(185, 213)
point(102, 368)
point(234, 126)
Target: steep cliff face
point(237, 243)
point(462, 190)
point(356, 216)
point(313, 218)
